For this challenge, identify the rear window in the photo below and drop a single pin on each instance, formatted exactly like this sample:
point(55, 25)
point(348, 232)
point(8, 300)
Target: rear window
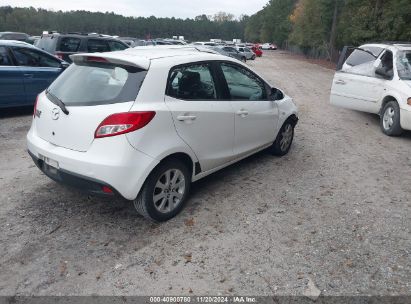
point(97, 84)
point(47, 43)
point(69, 44)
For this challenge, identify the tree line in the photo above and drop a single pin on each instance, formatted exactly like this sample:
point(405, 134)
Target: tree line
point(34, 21)
point(323, 26)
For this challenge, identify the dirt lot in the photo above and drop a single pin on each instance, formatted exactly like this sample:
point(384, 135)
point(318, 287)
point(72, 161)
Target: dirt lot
point(336, 210)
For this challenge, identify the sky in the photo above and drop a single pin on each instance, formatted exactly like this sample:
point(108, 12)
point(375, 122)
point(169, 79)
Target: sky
point(146, 8)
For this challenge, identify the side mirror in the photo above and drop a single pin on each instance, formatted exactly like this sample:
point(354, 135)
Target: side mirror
point(64, 65)
point(276, 94)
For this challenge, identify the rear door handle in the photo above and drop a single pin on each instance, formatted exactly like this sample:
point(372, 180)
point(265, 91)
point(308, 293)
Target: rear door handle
point(186, 117)
point(339, 81)
point(242, 113)
point(28, 75)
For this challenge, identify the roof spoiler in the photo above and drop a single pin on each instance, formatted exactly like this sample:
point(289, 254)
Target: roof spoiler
point(138, 62)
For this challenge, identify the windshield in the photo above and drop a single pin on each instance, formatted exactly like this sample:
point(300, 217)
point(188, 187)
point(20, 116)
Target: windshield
point(97, 84)
point(404, 65)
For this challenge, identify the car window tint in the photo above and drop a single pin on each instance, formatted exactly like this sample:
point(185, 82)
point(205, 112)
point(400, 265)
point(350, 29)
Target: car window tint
point(69, 44)
point(193, 82)
point(243, 84)
point(97, 84)
point(117, 46)
point(4, 57)
point(97, 45)
point(33, 58)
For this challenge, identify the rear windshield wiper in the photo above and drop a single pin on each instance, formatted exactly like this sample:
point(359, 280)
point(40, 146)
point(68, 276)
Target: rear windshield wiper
point(57, 101)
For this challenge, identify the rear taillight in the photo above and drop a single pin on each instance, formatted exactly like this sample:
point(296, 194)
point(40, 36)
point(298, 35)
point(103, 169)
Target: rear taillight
point(59, 55)
point(122, 123)
point(35, 107)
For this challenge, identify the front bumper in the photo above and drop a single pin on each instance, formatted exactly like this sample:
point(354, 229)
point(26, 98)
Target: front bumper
point(405, 119)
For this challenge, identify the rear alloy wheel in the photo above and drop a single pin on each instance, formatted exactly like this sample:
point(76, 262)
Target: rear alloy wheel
point(390, 119)
point(164, 192)
point(284, 139)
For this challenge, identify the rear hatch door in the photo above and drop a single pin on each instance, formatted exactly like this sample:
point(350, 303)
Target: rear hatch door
point(90, 90)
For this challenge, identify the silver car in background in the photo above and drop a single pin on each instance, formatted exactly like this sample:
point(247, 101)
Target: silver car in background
point(249, 54)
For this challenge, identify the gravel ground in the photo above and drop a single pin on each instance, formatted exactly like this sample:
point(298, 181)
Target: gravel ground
point(335, 212)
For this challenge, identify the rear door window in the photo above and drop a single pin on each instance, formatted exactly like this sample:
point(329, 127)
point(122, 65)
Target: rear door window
point(97, 46)
point(116, 46)
point(69, 44)
point(97, 84)
point(192, 82)
point(33, 58)
point(5, 59)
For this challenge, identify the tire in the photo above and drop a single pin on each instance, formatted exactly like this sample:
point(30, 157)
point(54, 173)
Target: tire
point(243, 59)
point(145, 203)
point(390, 119)
point(284, 140)
point(253, 58)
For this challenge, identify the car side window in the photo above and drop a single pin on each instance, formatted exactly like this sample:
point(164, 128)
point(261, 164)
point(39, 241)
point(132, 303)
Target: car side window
point(97, 46)
point(33, 58)
point(69, 44)
point(116, 46)
point(192, 82)
point(243, 84)
point(4, 57)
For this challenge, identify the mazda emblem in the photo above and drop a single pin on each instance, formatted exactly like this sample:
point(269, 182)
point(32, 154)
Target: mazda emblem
point(55, 114)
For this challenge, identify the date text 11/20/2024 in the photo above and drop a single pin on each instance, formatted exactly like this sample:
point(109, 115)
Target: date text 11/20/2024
point(204, 299)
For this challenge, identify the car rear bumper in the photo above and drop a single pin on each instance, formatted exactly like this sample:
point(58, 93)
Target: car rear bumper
point(110, 161)
point(405, 119)
point(72, 179)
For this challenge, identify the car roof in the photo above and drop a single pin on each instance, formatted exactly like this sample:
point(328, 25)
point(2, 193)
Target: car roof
point(142, 56)
point(394, 44)
point(15, 43)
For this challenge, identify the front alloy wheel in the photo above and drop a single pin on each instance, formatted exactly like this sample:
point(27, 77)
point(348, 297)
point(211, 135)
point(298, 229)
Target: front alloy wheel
point(390, 119)
point(284, 139)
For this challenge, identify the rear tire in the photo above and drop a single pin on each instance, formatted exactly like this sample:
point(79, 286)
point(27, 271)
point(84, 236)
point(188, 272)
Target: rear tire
point(165, 191)
point(253, 58)
point(390, 119)
point(284, 139)
point(243, 59)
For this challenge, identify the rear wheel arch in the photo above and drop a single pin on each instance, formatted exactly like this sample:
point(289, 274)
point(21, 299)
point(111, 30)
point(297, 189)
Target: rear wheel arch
point(182, 157)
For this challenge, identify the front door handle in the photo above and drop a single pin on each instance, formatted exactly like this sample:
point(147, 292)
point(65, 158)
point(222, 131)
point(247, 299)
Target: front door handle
point(28, 75)
point(186, 117)
point(242, 113)
point(339, 81)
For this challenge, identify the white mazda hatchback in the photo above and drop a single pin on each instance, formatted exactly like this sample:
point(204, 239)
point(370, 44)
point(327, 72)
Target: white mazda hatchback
point(145, 123)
